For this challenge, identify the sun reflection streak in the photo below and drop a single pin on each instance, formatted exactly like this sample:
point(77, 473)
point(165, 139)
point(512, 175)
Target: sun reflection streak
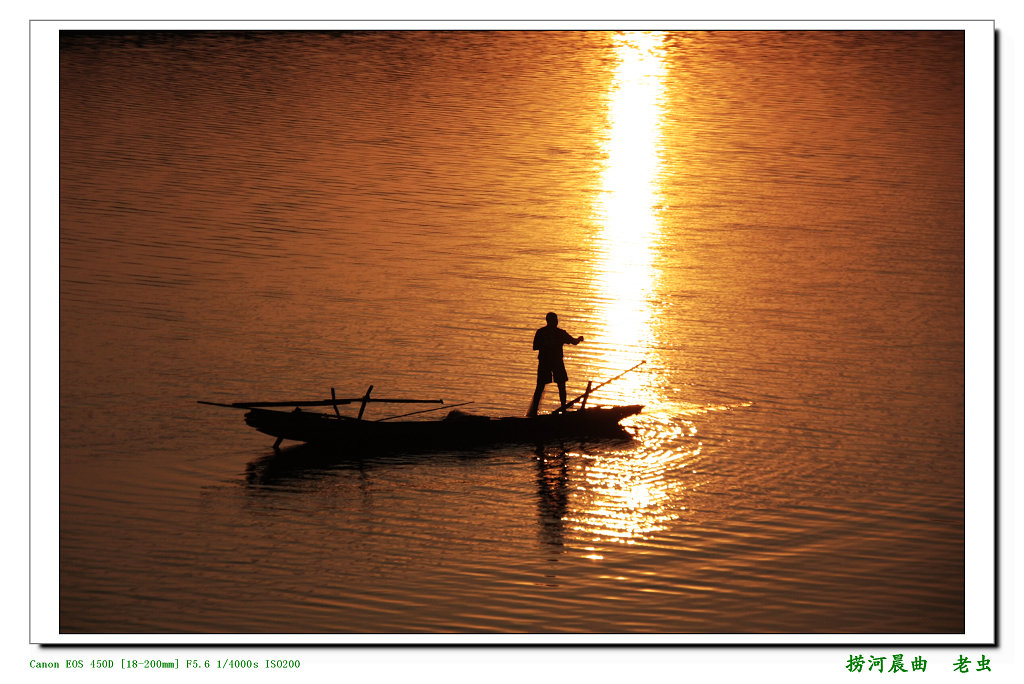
point(627, 206)
point(628, 497)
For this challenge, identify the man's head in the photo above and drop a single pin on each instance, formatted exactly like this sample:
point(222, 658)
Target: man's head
point(552, 318)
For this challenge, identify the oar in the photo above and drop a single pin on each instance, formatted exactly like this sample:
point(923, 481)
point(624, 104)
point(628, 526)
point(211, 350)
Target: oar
point(590, 391)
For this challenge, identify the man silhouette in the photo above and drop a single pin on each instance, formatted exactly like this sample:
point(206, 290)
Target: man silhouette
point(548, 341)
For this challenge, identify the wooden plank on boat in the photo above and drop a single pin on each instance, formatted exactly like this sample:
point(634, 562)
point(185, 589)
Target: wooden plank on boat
point(362, 406)
point(334, 403)
point(586, 395)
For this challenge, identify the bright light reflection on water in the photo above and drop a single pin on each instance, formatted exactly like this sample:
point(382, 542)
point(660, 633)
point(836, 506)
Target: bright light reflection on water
point(625, 496)
point(403, 214)
point(628, 496)
point(626, 210)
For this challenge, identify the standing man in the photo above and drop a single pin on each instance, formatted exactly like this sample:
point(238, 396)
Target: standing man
point(548, 342)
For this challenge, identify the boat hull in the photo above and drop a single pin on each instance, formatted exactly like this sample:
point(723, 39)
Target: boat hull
point(458, 430)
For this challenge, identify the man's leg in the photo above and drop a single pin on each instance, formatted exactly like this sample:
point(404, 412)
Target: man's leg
point(535, 403)
point(561, 393)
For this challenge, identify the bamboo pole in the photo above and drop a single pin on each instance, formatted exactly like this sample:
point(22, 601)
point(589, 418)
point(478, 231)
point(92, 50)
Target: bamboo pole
point(413, 413)
point(317, 402)
point(362, 406)
point(562, 409)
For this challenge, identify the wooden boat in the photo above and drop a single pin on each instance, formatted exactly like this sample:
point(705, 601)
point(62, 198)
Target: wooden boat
point(456, 430)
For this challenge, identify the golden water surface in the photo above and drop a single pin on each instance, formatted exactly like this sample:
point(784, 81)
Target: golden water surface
point(771, 221)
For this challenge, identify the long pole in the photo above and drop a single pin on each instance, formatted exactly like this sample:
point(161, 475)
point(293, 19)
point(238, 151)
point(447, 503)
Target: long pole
point(318, 402)
point(413, 413)
point(592, 390)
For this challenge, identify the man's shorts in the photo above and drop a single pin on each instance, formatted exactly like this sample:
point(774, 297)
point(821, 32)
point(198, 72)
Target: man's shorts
point(551, 373)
